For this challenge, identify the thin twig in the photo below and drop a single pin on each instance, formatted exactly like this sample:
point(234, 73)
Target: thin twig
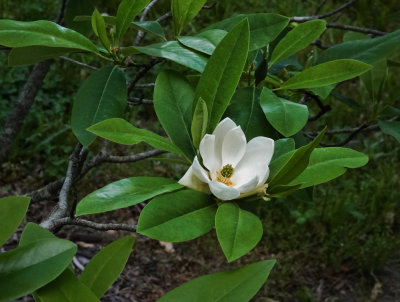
point(143, 70)
point(164, 17)
point(367, 31)
point(345, 141)
point(326, 15)
point(134, 101)
point(144, 85)
point(140, 35)
point(91, 224)
point(319, 7)
point(78, 63)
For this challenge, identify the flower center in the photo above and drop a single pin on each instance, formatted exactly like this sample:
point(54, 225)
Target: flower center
point(225, 174)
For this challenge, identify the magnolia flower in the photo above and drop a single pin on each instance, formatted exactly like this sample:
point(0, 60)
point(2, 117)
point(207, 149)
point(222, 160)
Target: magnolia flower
point(232, 168)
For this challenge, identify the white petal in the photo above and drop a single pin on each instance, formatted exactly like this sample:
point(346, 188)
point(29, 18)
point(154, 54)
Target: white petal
point(191, 181)
point(207, 151)
point(222, 191)
point(255, 161)
point(248, 186)
point(199, 171)
point(233, 147)
point(220, 131)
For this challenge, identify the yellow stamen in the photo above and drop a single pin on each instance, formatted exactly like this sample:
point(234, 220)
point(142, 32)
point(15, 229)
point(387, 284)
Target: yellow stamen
point(225, 174)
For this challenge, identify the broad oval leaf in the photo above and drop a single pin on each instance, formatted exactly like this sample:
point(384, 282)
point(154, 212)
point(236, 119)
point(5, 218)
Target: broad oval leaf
point(173, 51)
point(245, 110)
point(42, 33)
point(124, 193)
point(205, 41)
point(33, 265)
point(102, 96)
point(263, 27)
point(105, 267)
point(173, 97)
point(199, 122)
point(390, 128)
point(238, 285)
point(99, 28)
point(120, 131)
point(183, 11)
point(368, 51)
point(326, 74)
point(222, 73)
point(33, 54)
point(297, 39)
point(127, 11)
point(238, 230)
point(77, 8)
point(12, 211)
point(328, 163)
point(66, 288)
point(285, 116)
point(33, 233)
point(282, 146)
point(178, 216)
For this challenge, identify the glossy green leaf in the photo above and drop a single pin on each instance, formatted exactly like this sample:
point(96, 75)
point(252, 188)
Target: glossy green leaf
point(264, 28)
point(368, 51)
point(99, 28)
point(328, 163)
point(66, 288)
point(105, 267)
point(31, 266)
point(174, 51)
point(183, 11)
point(237, 285)
point(127, 11)
point(390, 128)
point(77, 8)
point(33, 233)
point(205, 41)
point(295, 163)
point(297, 39)
point(285, 116)
point(282, 146)
point(124, 193)
point(120, 131)
point(238, 230)
point(324, 91)
point(374, 79)
point(326, 74)
point(178, 216)
point(173, 97)
point(102, 96)
point(12, 211)
point(222, 73)
point(281, 191)
point(245, 110)
point(42, 33)
point(199, 122)
point(33, 54)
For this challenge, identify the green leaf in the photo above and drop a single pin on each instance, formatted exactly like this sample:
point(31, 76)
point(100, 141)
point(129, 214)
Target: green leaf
point(297, 39)
point(178, 216)
point(285, 116)
point(281, 191)
point(238, 230)
point(237, 285)
point(120, 131)
point(282, 146)
point(127, 11)
point(42, 33)
point(152, 27)
point(173, 51)
point(264, 28)
point(245, 110)
point(105, 267)
point(33, 54)
point(324, 91)
point(183, 11)
point(173, 97)
point(124, 193)
point(66, 288)
point(33, 233)
point(99, 28)
point(77, 8)
point(294, 163)
point(368, 51)
point(328, 163)
point(12, 211)
point(390, 128)
point(374, 79)
point(31, 266)
point(199, 122)
point(205, 41)
point(102, 96)
point(222, 73)
point(326, 74)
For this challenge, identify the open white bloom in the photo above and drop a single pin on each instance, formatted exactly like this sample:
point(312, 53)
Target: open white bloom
point(234, 168)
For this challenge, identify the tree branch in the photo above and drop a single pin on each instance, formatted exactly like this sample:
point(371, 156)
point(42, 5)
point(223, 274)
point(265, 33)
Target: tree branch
point(143, 70)
point(78, 63)
point(140, 35)
point(90, 224)
point(368, 31)
point(134, 101)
